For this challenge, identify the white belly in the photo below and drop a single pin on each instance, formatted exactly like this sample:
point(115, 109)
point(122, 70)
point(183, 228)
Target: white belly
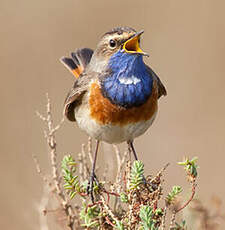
point(109, 133)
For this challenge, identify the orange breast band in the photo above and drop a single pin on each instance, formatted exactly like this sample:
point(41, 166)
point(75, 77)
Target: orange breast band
point(104, 112)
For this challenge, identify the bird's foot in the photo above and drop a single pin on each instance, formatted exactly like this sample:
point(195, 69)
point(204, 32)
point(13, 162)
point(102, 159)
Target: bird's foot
point(90, 188)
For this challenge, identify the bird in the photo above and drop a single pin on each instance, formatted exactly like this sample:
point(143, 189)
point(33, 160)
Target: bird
point(115, 95)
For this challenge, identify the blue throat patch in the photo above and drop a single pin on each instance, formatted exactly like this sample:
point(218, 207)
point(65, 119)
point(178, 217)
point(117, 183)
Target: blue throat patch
point(129, 83)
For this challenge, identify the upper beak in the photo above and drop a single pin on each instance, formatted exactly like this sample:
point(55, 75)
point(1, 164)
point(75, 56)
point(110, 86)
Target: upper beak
point(132, 45)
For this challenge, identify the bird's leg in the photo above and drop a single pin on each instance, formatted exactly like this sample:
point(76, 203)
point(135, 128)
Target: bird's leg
point(93, 176)
point(131, 146)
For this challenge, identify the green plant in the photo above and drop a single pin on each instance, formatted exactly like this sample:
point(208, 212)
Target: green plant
point(190, 166)
point(136, 175)
point(173, 194)
point(147, 221)
point(140, 196)
point(132, 202)
point(90, 216)
point(181, 226)
point(72, 183)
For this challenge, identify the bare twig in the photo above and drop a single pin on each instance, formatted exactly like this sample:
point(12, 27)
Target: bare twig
point(42, 208)
point(120, 164)
point(38, 168)
point(108, 209)
point(41, 116)
point(49, 134)
point(172, 221)
point(84, 160)
point(160, 173)
point(163, 225)
point(90, 150)
point(190, 199)
point(81, 167)
point(52, 145)
point(105, 172)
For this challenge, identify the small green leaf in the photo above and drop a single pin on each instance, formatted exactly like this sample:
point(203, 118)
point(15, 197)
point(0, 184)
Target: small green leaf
point(72, 194)
point(123, 198)
point(137, 175)
point(173, 194)
point(159, 212)
point(68, 186)
point(89, 216)
point(71, 180)
point(146, 216)
point(181, 226)
point(119, 225)
point(190, 166)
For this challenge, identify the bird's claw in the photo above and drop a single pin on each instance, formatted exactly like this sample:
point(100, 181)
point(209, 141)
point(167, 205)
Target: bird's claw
point(90, 187)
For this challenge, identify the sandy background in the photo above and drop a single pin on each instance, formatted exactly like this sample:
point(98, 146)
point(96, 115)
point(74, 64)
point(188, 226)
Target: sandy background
point(186, 43)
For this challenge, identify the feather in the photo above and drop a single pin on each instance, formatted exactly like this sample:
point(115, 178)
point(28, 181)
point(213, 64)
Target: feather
point(161, 88)
point(80, 59)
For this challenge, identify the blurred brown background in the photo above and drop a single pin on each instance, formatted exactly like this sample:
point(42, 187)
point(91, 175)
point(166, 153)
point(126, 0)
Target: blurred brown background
point(186, 43)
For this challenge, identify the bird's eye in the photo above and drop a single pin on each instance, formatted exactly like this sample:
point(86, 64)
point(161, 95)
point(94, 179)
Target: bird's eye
point(112, 43)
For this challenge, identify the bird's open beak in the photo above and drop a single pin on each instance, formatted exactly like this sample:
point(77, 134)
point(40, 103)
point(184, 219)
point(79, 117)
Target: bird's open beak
point(132, 45)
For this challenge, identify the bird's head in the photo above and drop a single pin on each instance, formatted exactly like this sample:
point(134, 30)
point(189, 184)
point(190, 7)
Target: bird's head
point(121, 39)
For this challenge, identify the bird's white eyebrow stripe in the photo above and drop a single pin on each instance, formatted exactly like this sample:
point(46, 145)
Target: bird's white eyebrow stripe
point(129, 80)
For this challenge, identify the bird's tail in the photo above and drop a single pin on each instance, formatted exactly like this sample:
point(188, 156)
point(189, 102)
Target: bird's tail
point(78, 61)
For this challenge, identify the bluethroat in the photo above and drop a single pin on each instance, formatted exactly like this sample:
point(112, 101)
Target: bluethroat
point(115, 95)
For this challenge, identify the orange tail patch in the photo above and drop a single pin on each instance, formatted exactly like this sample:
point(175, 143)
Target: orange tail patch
point(78, 71)
point(78, 61)
point(75, 69)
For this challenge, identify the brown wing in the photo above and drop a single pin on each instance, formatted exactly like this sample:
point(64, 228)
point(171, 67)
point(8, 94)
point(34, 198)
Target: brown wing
point(161, 87)
point(75, 95)
point(77, 64)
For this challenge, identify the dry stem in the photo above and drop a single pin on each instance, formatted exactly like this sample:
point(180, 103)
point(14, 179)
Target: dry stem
point(51, 141)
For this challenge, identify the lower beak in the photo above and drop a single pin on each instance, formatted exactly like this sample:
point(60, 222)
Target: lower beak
point(132, 45)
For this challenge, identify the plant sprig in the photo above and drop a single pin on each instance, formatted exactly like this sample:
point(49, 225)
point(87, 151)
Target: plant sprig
point(146, 215)
point(190, 166)
point(137, 175)
point(72, 183)
point(173, 194)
